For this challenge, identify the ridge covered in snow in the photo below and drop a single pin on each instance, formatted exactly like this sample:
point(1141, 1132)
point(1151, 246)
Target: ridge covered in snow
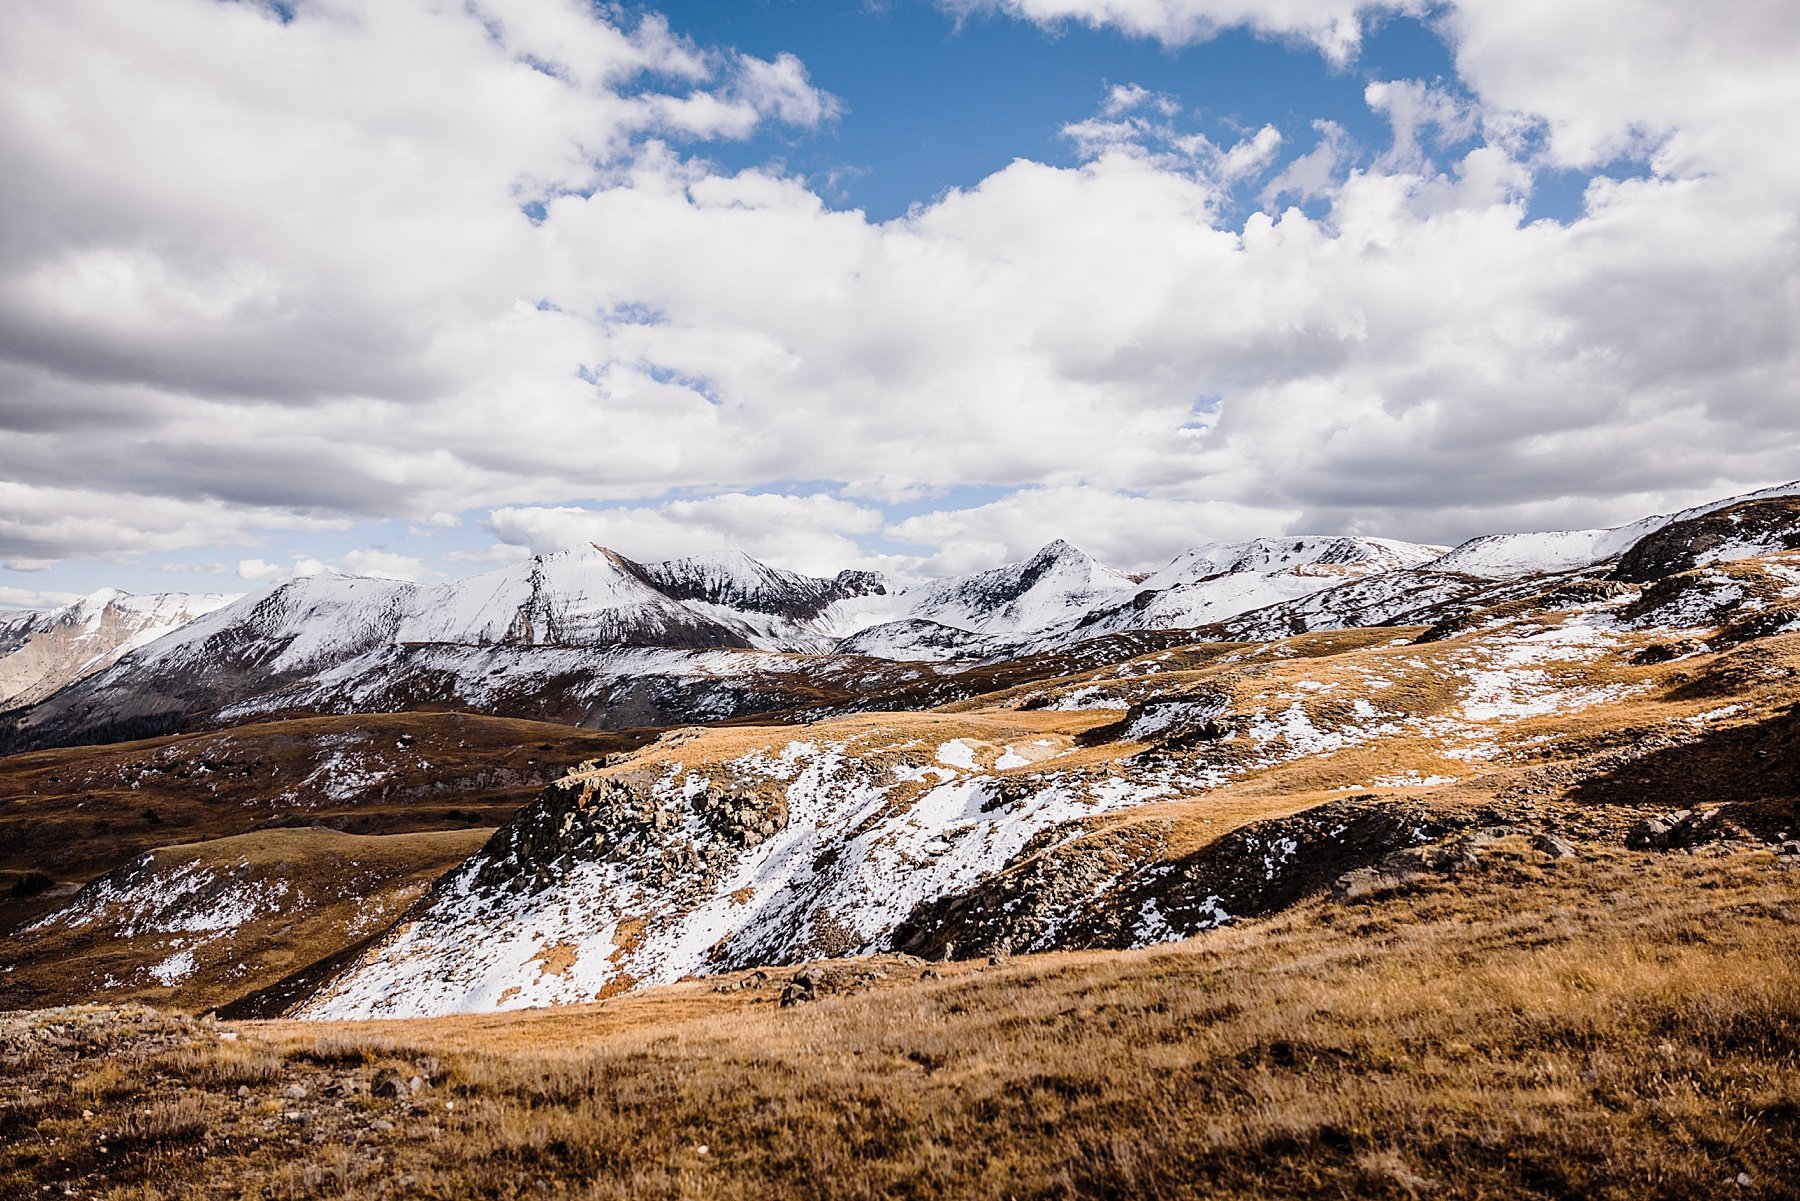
point(42, 652)
point(577, 625)
point(1508, 556)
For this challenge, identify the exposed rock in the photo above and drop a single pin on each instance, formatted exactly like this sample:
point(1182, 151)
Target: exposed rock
point(1553, 846)
point(803, 987)
point(1671, 830)
point(1764, 526)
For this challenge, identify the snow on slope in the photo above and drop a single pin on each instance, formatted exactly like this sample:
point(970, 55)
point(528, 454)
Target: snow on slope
point(672, 880)
point(1053, 587)
point(287, 627)
point(1062, 596)
point(776, 609)
point(50, 650)
point(1211, 583)
point(587, 596)
point(998, 611)
point(1507, 556)
point(717, 850)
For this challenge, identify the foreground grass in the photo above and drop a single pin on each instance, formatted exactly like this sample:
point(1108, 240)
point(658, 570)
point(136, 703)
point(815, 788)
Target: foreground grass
point(1622, 1026)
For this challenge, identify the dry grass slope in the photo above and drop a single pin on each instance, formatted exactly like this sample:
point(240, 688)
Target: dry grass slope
point(74, 814)
point(1628, 1026)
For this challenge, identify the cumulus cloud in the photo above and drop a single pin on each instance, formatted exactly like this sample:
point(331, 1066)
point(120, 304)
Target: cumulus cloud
point(411, 260)
point(802, 533)
point(387, 565)
point(1135, 122)
point(259, 571)
point(1333, 26)
point(31, 598)
point(1421, 116)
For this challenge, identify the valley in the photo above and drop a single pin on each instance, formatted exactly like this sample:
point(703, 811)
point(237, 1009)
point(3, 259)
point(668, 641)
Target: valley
point(1305, 867)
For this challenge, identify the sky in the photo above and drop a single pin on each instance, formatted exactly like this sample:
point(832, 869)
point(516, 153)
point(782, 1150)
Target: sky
point(420, 287)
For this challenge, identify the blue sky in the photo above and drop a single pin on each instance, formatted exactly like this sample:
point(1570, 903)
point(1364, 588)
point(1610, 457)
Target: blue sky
point(936, 102)
point(269, 303)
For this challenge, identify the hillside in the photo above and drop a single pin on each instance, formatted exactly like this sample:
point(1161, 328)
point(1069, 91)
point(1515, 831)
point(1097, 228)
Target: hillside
point(1497, 1034)
point(42, 653)
point(68, 816)
point(1422, 881)
point(1115, 795)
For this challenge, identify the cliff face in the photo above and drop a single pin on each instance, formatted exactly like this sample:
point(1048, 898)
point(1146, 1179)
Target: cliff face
point(48, 651)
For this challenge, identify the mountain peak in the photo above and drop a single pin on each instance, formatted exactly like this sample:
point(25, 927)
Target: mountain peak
point(1059, 549)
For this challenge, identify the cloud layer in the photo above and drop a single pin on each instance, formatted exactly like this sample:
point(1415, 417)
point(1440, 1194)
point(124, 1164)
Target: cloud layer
point(405, 259)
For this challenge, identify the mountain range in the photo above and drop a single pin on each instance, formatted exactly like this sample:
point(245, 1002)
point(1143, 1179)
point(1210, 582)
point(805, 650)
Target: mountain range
point(591, 637)
point(779, 768)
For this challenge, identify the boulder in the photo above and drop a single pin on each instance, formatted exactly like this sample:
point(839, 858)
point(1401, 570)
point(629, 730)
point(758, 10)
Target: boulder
point(1658, 833)
point(1553, 846)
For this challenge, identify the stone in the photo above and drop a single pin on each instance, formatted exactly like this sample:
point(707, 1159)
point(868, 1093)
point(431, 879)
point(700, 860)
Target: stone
point(294, 1092)
point(1655, 833)
point(1553, 846)
point(387, 1083)
point(801, 989)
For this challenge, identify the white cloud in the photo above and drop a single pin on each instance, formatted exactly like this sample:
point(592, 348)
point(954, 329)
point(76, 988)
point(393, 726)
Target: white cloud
point(1331, 25)
point(386, 564)
point(1420, 114)
point(277, 277)
point(1135, 123)
point(815, 534)
point(30, 598)
point(258, 571)
point(1317, 172)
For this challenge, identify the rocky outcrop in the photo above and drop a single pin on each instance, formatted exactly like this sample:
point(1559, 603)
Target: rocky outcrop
point(1113, 891)
point(1754, 527)
point(626, 819)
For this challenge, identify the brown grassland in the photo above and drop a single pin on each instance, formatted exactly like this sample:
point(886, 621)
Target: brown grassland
point(1610, 1024)
point(75, 813)
point(1622, 1025)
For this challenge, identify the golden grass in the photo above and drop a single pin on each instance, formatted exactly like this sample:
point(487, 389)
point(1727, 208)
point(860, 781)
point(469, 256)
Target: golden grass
point(334, 889)
point(78, 812)
point(1627, 1026)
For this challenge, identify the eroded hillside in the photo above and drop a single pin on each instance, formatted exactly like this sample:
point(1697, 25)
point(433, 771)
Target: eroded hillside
point(1121, 806)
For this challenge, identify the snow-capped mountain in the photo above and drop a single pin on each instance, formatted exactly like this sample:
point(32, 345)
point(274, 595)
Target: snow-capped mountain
point(41, 652)
point(588, 596)
point(1041, 593)
point(1211, 583)
point(590, 636)
point(1054, 806)
point(1061, 595)
point(1509, 556)
point(324, 639)
point(993, 828)
point(977, 616)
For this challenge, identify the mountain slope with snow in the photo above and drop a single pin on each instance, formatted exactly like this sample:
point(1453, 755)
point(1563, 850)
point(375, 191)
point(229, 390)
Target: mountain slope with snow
point(41, 653)
point(1508, 556)
point(590, 636)
point(1121, 806)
